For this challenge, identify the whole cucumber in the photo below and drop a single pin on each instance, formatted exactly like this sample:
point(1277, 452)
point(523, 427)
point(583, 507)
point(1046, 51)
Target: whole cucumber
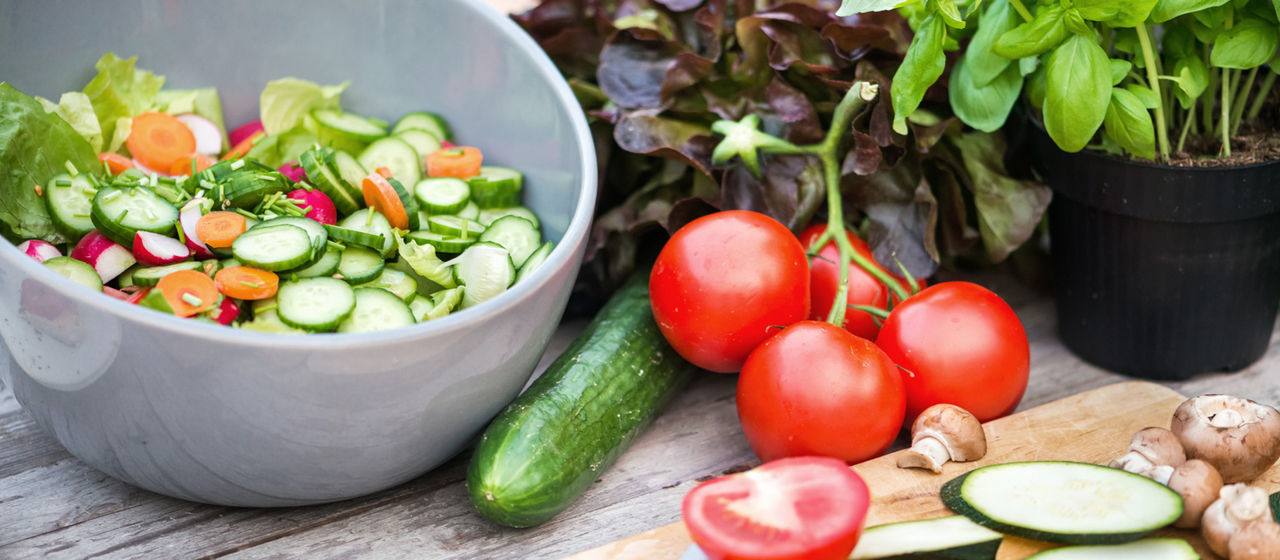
point(543, 451)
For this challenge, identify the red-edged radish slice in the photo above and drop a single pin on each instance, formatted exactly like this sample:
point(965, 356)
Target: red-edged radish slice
point(226, 312)
point(155, 249)
point(319, 207)
point(39, 250)
point(244, 131)
point(187, 219)
point(122, 296)
point(104, 255)
point(208, 135)
point(293, 171)
point(148, 170)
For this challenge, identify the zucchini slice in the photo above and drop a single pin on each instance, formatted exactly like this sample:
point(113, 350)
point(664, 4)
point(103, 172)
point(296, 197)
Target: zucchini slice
point(1063, 502)
point(954, 537)
point(1145, 549)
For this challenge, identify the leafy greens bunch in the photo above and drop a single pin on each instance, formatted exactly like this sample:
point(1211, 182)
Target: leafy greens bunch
point(1145, 72)
point(654, 75)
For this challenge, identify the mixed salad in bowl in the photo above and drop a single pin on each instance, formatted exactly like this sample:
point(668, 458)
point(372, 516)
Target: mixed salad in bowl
point(310, 219)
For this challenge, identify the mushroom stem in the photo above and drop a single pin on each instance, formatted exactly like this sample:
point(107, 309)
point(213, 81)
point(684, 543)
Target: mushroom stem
point(1237, 506)
point(925, 453)
point(941, 433)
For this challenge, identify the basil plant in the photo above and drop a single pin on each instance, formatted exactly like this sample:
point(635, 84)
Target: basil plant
point(1143, 72)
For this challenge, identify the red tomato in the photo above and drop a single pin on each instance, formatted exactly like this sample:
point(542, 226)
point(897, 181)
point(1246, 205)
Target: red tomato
point(958, 343)
point(801, 507)
point(816, 389)
point(723, 283)
point(864, 289)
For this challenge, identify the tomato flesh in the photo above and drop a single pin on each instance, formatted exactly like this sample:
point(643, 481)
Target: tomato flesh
point(816, 389)
point(809, 508)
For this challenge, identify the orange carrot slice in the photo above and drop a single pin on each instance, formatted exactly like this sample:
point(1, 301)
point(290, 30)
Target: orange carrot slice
point(384, 171)
point(182, 165)
point(188, 292)
point(381, 196)
point(116, 163)
point(219, 229)
point(157, 139)
point(239, 150)
point(246, 282)
point(460, 161)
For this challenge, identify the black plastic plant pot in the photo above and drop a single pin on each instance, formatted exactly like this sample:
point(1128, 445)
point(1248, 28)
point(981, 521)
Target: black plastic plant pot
point(1162, 272)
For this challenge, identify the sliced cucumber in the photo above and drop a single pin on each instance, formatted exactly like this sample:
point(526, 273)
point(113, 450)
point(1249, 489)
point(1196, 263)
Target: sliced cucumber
point(315, 304)
point(420, 307)
point(396, 282)
point(455, 226)
point(70, 200)
point(535, 260)
point(359, 265)
point(422, 141)
point(1065, 502)
point(394, 154)
point(355, 237)
point(376, 309)
point(77, 271)
point(248, 186)
point(470, 211)
point(1275, 506)
point(442, 195)
point(319, 235)
point(274, 248)
point(443, 243)
point(953, 537)
point(326, 265)
point(485, 270)
point(1145, 549)
point(422, 120)
point(439, 304)
point(121, 212)
point(321, 171)
point(370, 221)
point(351, 172)
point(151, 275)
point(346, 131)
point(408, 201)
point(515, 234)
point(488, 215)
point(496, 187)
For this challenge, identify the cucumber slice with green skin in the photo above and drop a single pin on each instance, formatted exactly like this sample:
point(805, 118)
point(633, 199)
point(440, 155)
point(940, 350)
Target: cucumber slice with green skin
point(543, 451)
point(420, 307)
point(151, 275)
point(351, 173)
point(515, 234)
point(319, 235)
point(315, 304)
point(370, 221)
point(275, 248)
point(470, 211)
point(376, 310)
point(423, 120)
point(77, 271)
point(359, 265)
point(248, 186)
point(442, 195)
point(1275, 506)
point(326, 265)
point(121, 212)
point(355, 237)
point(394, 154)
point(396, 282)
point(455, 226)
point(346, 131)
point(496, 187)
point(70, 200)
point(1063, 502)
point(488, 215)
point(535, 260)
point(443, 243)
point(485, 270)
point(952, 538)
point(1145, 549)
point(318, 163)
point(422, 141)
point(408, 201)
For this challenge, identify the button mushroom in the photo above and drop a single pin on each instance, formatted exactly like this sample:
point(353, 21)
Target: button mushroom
point(1259, 540)
point(1154, 453)
point(1199, 484)
point(941, 433)
point(1237, 506)
point(1239, 437)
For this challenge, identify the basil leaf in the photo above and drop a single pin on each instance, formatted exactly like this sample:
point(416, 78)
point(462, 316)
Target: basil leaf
point(950, 13)
point(1166, 10)
point(1077, 92)
point(1128, 122)
point(1191, 77)
point(921, 67)
point(1076, 24)
point(1038, 36)
point(1119, 69)
point(1036, 85)
point(1148, 98)
point(1116, 13)
point(1178, 42)
point(850, 7)
point(984, 65)
point(1249, 44)
point(987, 106)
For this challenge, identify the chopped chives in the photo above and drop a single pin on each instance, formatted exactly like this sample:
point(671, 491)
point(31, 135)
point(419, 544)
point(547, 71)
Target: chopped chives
point(246, 213)
point(71, 168)
point(237, 164)
point(335, 245)
point(80, 215)
point(181, 235)
point(192, 300)
point(249, 284)
point(62, 182)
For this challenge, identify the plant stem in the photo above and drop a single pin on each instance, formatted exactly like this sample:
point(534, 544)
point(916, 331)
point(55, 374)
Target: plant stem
point(1225, 151)
point(1153, 77)
point(1022, 10)
point(1186, 125)
point(1206, 117)
point(1242, 98)
point(1263, 93)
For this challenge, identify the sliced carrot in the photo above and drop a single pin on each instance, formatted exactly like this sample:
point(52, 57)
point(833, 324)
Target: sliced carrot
point(246, 282)
point(381, 196)
point(219, 229)
point(459, 161)
point(239, 150)
point(157, 139)
point(384, 171)
point(116, 163)
point(182, 165)
point(188, 292)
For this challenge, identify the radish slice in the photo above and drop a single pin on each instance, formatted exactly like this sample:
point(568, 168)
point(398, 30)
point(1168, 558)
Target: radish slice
point(39, 250)
point(293, 171)
point(208, 135)
point(319, 206)
point(149, 171)
point(104, 255)
point(187, 219)
point(244, 131)
point(226, 312)
point(156, 250)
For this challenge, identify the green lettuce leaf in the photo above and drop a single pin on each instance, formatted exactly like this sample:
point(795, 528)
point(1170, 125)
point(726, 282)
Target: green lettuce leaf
point(204, 102)
point(424, 261)
point(35, 145)
point(284, 102)
point(121, 91)
point(75, 108)
point(276, 149)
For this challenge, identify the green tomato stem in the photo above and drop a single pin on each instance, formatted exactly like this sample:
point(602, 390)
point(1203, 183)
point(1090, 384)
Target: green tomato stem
point(1022, 10)
point(1153, 79)
point(1263, 93)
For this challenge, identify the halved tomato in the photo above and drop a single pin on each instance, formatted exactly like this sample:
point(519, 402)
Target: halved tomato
point(810, 508)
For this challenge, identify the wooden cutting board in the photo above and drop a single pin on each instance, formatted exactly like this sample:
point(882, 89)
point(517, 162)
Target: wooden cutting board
point(1094, 426)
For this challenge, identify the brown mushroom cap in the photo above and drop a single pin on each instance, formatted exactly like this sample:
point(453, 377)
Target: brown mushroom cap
point(958, 430)
point(1198, 483)
point(1259, 540)
point(1237, 506)
point(1239, 437)
point(1158, 445)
